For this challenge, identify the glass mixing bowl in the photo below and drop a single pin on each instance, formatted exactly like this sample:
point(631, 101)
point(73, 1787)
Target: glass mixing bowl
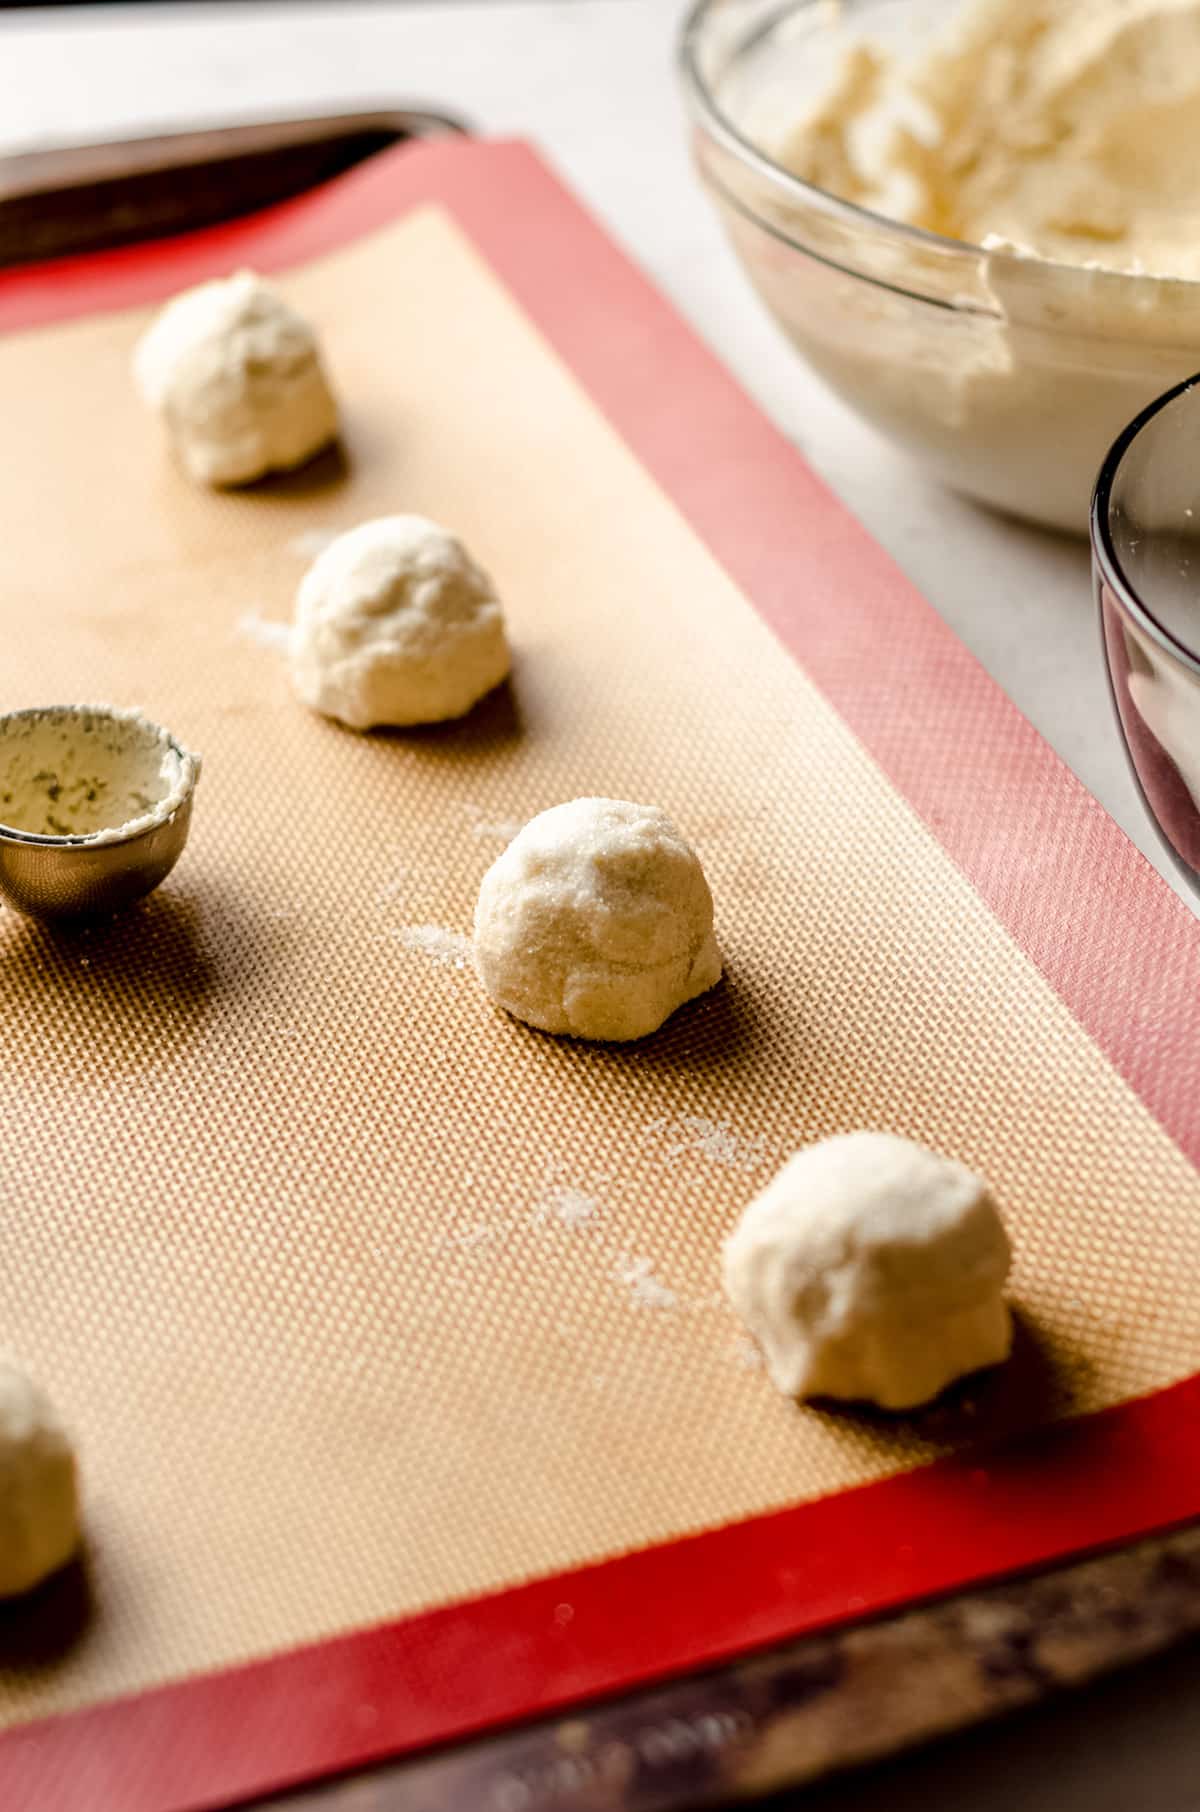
point(1008, 377)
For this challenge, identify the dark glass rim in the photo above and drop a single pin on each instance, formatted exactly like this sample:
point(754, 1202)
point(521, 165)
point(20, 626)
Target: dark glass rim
point(1105, 554)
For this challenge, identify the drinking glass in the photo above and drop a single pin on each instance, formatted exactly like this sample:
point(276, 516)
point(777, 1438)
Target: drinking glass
point(1145, 527)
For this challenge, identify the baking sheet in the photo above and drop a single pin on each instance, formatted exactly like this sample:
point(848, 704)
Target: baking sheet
point(362, 1298)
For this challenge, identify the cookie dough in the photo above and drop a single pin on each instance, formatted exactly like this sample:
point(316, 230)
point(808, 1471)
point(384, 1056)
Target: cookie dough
point(39, 1505)
point(395, 624)
point(236, 375)
point(596, 921)
point(1055, 128)
point(873, 1269)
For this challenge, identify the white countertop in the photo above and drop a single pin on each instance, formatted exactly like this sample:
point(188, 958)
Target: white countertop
point(592, 82)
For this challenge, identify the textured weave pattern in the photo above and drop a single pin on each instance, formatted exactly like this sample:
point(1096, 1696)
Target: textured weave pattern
point(360, 1296)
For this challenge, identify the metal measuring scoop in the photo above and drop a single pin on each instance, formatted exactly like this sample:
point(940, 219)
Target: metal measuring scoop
point(95, 807)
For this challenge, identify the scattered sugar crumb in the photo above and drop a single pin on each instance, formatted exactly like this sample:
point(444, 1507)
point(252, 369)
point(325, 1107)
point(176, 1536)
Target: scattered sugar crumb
point(646, 1289)
point(418, 889)
point(449, 949)
point(264, 631)
point(497, 830)
point(692, 1135)
point(492, 830)
point(570, 1206)
point(311, 542)
point(747, 1354)
point(470, 1239)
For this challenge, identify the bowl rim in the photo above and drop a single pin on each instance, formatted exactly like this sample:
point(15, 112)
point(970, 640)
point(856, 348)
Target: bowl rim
point(703, 104)
point(1104, 553)
point(102, 841)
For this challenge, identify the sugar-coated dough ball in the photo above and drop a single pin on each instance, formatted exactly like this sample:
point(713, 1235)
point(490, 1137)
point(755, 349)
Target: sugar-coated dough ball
point(596, 921)
point(871, 1268)
point(236, 374)
point(395, 624)
point(39, 1506)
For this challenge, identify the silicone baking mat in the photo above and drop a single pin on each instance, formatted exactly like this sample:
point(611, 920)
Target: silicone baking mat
point(390, 1329)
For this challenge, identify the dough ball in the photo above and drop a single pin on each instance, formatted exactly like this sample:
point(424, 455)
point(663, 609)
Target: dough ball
point(39, 1508)
point(596, 921)
point(236, 375)
point(395, 624)
point(871, 1268)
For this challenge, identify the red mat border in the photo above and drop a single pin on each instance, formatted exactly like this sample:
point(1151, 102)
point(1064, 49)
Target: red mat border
point(1133, 982)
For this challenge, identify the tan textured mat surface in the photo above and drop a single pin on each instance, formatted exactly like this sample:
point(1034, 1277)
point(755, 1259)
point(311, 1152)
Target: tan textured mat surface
point(359, 1296)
